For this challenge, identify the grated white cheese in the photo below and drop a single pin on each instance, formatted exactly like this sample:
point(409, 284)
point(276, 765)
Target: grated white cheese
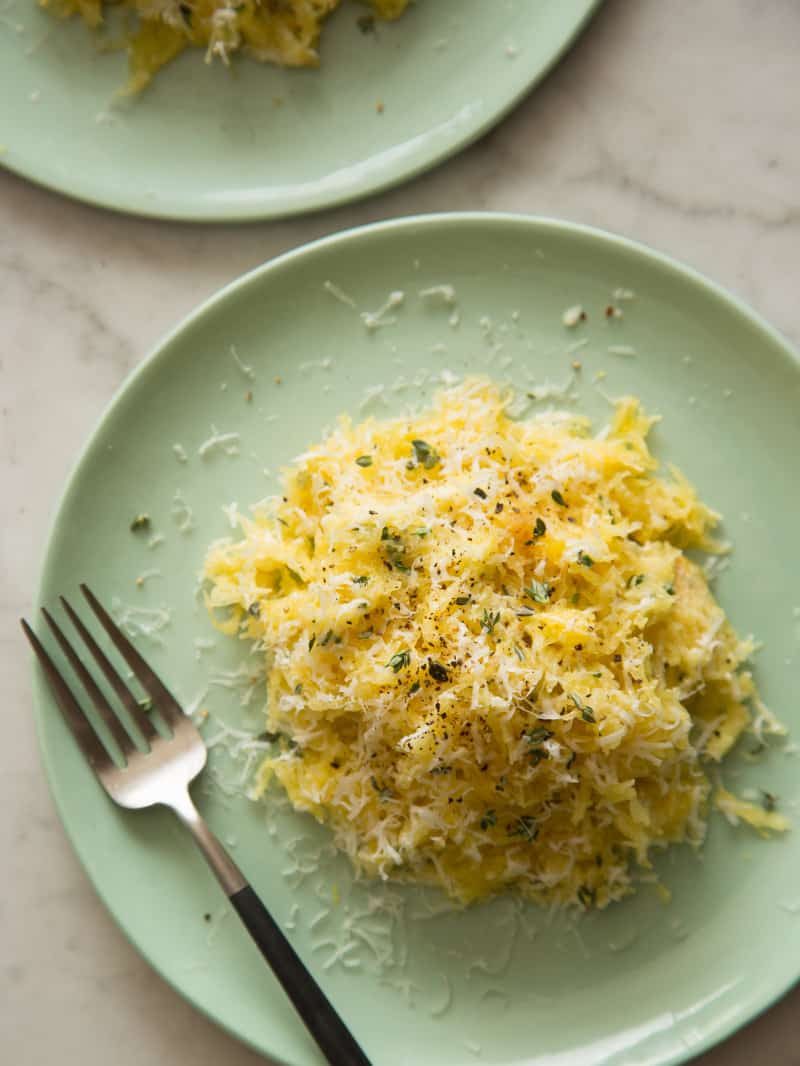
point(144, 622)
point(245, 368)
point(225, 442)
point(182, 514)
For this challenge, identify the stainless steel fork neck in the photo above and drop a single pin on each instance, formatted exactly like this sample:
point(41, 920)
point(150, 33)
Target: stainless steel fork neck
point(225, 869)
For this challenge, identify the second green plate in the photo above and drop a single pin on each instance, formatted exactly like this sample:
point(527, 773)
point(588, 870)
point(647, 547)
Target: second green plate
point(255, 141)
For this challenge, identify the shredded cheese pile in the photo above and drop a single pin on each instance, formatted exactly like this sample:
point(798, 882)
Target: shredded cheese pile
point(490, 663)
point(285, 32)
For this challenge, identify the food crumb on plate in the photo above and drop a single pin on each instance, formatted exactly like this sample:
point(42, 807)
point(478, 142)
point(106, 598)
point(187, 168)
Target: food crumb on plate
point(573, 315)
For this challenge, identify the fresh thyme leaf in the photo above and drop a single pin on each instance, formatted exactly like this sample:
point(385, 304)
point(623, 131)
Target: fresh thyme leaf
point(587, 896)
point(539, 591)
point(399, 660)
point(525, 827)
point(364, 460)
point(424, 454)
point(587, 714)
point(384, 794)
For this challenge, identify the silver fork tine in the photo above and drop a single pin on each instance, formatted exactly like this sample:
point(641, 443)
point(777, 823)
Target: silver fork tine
point(125, 695)
point(76, 721)
point(117, 730)
point(165, 702)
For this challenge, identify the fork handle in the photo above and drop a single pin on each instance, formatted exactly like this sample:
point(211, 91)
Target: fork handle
point(324, 1024)
point(331, 1034)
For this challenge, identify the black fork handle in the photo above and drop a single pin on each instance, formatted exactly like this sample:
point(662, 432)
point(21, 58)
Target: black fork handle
point(331, 1034)
point(334, 1038)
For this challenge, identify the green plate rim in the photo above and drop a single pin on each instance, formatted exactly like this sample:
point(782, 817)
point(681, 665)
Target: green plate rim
point(761, 997)
point(362, 188)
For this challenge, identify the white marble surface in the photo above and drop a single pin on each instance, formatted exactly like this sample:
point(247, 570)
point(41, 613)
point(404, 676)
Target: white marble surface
point(671, 121)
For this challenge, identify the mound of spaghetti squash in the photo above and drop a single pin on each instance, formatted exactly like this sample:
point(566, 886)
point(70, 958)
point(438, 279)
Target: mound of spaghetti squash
point(491, 664)
point(273, 31)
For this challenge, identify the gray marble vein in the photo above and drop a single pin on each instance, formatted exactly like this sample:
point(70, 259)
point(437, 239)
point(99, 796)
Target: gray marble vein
point(671, 121)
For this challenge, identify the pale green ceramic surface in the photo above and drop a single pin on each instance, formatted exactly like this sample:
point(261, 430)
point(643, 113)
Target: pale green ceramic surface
point(729, 391)
point(210, 143)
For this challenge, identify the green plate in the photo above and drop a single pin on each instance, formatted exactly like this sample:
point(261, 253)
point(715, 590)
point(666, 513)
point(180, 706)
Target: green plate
point(639, 983)
point(254, 141)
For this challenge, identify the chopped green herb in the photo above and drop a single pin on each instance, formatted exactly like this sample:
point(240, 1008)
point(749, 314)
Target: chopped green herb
point(537, 755)
point(141, 523)
point(537, 735)
point(399, 660)
point(489, 620)
point(254, 609)
point(364, 460)
point(669, 589)
point(423, 531)
point(587, 896)
point(539, 591)
point(437, 671)
point(312, 642)
point(525, 827)
point(489, 820)
point(480, 494)
point(293, 574)
point(768, 801)
point(463, 600)
point(442, 770)
point(587, 714)
point(576, 598)
point(571, 760)
point(362, 579)
point(414, 688)
point(540, 528)
point(366, 23)
point(394, 550)
point(424, 454)
point(637, 579)
point(584, 559)
point(559, 499)
point(298, 689)
point(146, 705)
point(326, 639)
point(384, 794)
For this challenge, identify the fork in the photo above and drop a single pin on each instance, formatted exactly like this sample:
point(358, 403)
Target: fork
point(160, 775)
